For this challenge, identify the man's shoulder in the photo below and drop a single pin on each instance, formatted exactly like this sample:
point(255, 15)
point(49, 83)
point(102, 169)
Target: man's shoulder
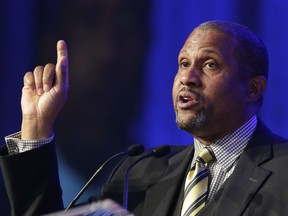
point(267, 141)
point(175, 151)
point(152, 162)
point(144, 167)
point(266, 134)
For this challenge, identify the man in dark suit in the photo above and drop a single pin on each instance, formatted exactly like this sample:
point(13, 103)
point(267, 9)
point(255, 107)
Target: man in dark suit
point(217, 93)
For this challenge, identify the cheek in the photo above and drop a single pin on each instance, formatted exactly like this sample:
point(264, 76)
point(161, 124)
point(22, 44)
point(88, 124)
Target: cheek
point(227, 96)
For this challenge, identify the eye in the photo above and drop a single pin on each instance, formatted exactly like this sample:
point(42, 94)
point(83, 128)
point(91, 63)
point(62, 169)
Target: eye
point(211, 65)
point(184, 63)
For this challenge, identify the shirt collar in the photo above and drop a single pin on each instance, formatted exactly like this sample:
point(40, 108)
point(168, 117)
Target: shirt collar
point(230, 147)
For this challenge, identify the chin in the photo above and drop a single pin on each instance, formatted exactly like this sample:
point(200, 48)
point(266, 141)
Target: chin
point(191, 123)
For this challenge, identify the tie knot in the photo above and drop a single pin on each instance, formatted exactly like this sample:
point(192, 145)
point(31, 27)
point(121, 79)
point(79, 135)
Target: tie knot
point(205, 156)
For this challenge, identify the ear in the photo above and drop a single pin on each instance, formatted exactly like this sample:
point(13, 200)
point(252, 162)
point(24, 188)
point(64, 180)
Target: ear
point(257, 87)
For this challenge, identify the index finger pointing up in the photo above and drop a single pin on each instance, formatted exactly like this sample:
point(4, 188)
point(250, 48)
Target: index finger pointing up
point(61, 49)
point(62, 81)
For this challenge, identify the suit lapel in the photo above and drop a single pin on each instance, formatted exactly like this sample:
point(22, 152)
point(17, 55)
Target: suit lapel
point(247, 178)
point(162, 196)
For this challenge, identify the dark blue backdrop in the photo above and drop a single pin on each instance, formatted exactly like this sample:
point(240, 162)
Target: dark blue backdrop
point(170, 22)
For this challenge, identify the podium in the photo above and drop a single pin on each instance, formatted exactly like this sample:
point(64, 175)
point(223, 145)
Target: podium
point(101, 208)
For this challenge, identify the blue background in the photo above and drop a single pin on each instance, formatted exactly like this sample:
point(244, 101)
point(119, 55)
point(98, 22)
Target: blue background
point(142, 109)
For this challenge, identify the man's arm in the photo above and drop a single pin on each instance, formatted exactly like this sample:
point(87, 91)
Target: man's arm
point(31, 177)
point(32, 182)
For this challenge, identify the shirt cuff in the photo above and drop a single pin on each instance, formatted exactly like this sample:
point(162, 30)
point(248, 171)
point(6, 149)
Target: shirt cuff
point(16, 145)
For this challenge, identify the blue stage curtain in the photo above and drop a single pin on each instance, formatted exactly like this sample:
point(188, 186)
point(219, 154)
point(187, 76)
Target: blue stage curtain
point(170, 23)
point(17, 49)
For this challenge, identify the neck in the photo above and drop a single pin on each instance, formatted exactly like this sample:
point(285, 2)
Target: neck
point(209, 136)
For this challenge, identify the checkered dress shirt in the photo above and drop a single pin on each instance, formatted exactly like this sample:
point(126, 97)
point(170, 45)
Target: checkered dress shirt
point(226, 150)
point(16, 145)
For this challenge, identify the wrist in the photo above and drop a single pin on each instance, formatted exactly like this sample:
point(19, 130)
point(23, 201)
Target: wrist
point(35, 128)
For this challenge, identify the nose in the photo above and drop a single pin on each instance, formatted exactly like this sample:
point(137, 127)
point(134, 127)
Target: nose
point(190, 77)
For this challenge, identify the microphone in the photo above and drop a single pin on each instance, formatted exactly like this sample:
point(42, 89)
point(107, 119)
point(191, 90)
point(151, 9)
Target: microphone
point(156, 152)
point(133, 150)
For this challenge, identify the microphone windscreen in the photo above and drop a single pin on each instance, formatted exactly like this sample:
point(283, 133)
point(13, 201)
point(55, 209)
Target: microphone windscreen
point(135, 150)
point(161, 151)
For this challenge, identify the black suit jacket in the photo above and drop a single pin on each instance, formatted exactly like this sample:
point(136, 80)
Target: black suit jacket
point(258, 185)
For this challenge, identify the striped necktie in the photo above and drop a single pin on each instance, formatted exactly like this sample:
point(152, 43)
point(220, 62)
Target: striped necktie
point(196, 184)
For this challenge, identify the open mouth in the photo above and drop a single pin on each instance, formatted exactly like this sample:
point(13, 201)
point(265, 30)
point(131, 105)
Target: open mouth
point(185, 99)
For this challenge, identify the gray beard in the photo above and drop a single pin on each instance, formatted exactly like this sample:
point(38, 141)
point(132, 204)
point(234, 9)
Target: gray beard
point(193, 124)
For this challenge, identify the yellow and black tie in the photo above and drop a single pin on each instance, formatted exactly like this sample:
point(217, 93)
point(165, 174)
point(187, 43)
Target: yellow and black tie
point(196, 184)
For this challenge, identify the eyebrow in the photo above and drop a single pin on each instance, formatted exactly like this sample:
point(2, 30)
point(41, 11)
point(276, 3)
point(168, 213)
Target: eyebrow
point(204, 51)
point(183, 51)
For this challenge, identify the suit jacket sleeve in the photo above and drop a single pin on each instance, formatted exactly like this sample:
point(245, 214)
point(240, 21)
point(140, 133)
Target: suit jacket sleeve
point(32, 181)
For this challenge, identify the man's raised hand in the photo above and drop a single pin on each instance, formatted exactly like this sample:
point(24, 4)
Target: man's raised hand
point(44, 94)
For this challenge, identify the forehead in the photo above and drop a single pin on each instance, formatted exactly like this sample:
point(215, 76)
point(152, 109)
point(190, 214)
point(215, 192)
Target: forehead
point(209, 41)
